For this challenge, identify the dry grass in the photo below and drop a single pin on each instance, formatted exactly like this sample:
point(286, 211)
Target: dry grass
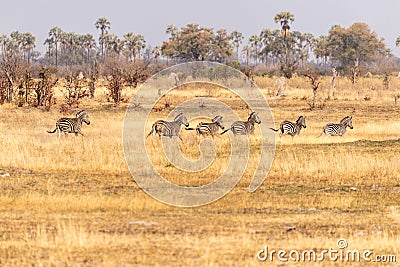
point(71, 201)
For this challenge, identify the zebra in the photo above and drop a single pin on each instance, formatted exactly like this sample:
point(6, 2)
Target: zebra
point(209, 128)
point(291, 128)
point(339, 129)
point(169, 128)
point(71, 125)
point(244, 127)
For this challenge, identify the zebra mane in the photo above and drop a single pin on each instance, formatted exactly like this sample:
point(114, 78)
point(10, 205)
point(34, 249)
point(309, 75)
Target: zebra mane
point(346, 120)
point(217, 118)
point(179, 116)
point(251, 115)
point(300, 119)
point(81, 113)
point(253, 118)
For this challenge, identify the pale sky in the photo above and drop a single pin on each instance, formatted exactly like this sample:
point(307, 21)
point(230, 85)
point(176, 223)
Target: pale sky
point(150, 18)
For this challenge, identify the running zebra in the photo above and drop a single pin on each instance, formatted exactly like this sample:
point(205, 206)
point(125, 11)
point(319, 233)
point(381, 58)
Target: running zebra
point(339, 129)
point(291, 128)
point(244, 127)
point(209, 128)
point(71, 125)
point(169, 128)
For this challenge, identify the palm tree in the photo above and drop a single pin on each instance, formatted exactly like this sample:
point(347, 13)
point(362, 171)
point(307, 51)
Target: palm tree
point(130, 45)
point(4, 43)
point(104, 25)
point(284, 18)
point(156, 52)
point(55, 35)
point(49, 42)
point(237, 39)
point(28, 44)
point(87, 42)
point(266, 37)
point(113, 44)
point(246, 53)
point(140, 43)
point(134, 43)
point(254, 42)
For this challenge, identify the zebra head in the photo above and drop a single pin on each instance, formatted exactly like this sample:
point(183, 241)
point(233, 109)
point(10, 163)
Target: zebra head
point(83, 116)
point(254, 118)
point(182, 119)
point(301, 121)
point(219, 122)
point(347, 122)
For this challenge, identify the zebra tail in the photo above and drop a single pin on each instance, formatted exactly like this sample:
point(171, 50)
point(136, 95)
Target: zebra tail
point(53, 131)
point(190, 129)
point(274, 129)
point(225, 131)
point(320, 134)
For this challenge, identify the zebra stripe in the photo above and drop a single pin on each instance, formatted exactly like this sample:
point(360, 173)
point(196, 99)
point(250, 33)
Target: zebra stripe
point(71, 125)
point(210, 128)
point(339, 129)
point(291, 128)
point(244, 127)
point(169, 128)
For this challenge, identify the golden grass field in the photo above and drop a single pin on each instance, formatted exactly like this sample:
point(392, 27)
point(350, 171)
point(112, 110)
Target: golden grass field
point(72, 201)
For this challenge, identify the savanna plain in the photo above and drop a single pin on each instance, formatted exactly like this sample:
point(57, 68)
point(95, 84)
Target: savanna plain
point(71, 201)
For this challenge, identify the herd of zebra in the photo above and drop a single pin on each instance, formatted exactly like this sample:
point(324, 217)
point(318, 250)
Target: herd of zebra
point(173, 128)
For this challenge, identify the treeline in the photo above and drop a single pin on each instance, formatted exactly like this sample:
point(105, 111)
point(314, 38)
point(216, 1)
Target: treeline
point(27, 77)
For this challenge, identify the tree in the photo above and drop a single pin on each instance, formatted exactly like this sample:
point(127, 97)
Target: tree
point(49, 42)
point(69, 43)
point(246, 51)
point(314, 84)
point(197, 43)
point(237, 39)
point(74, 89)
point(173, 31)
point(156, 52)
point(102, 24)
point(44, 88)
point(222, 48)
point(284, 18)
point(286, 46)
point(266, 37)
point(12, 70)
point(255, 42)
point(320, 48)
point(140, 44)
point(88, 43)
point(55, 34)
point(27, 45)
point(24, 42)
point(130, 45)
point(358, 44)
point(113, 45)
